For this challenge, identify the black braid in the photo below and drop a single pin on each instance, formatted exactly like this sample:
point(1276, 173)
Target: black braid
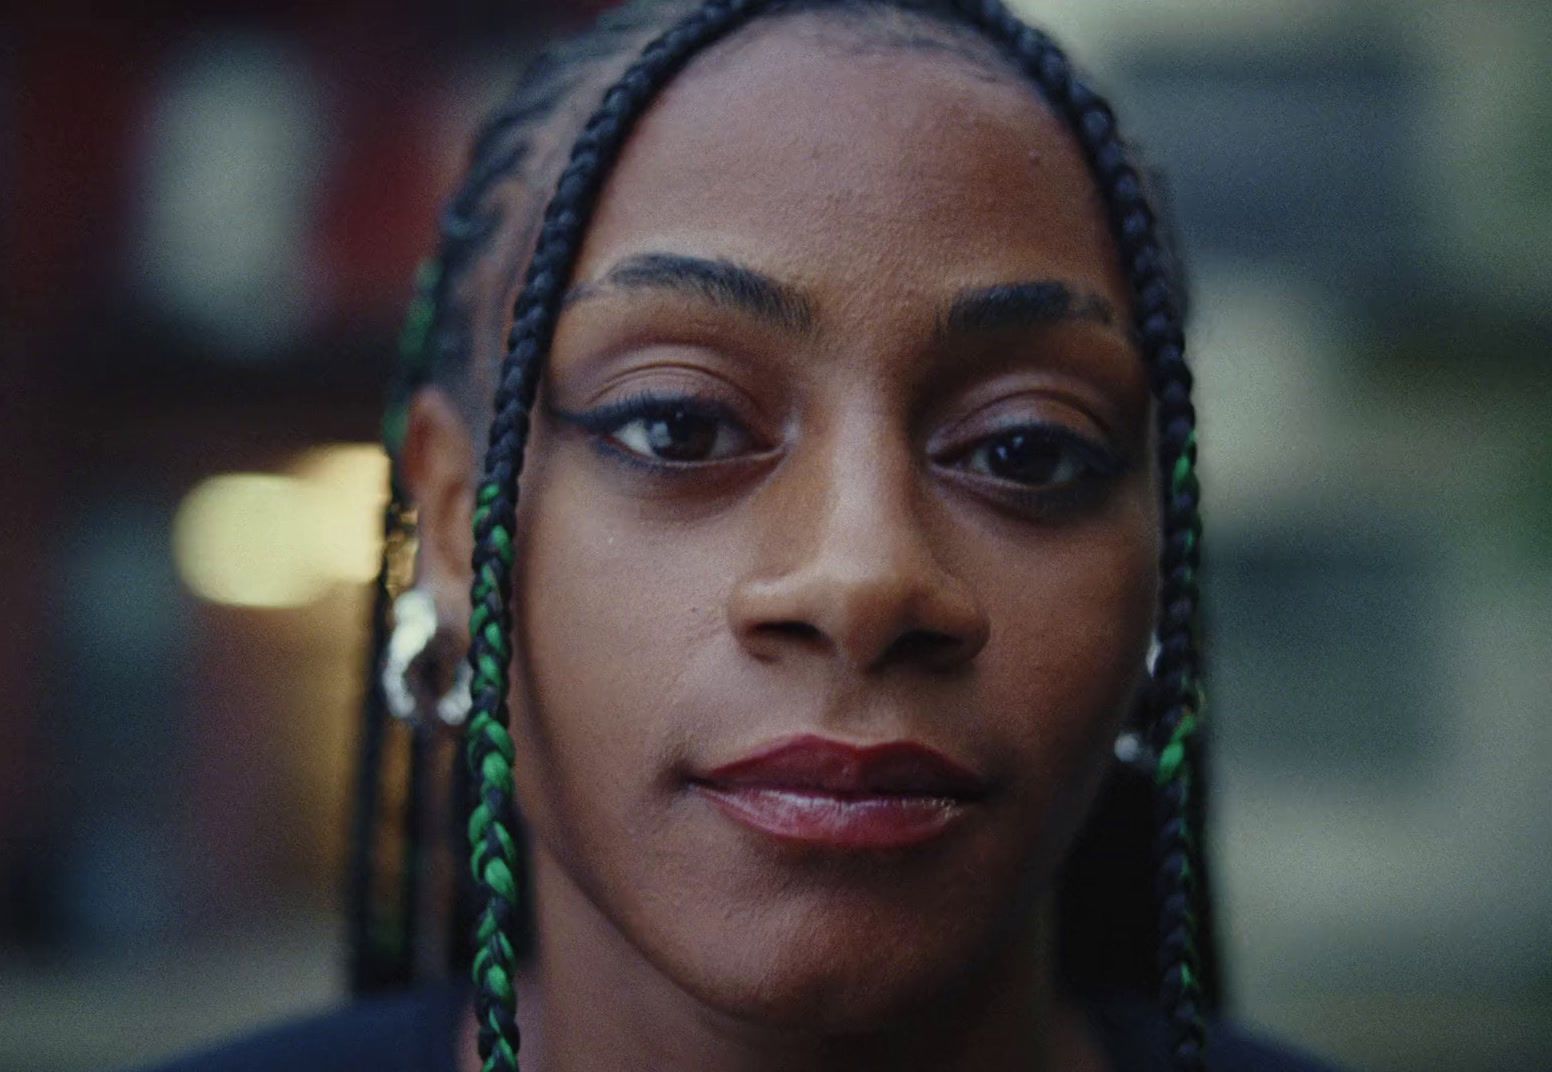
point(507, 149)
point(490, 745)
point(380, 955)
point(1175, 690)
point(1174, 694)
point(367, 968)
point(436, 347)
point(413, 865)
point(460, 924)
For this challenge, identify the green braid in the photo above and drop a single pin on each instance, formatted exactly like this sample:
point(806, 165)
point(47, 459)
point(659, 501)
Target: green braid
point(1172, 763)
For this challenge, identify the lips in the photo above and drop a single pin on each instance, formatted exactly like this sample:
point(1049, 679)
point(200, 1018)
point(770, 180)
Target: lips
point(815, 791)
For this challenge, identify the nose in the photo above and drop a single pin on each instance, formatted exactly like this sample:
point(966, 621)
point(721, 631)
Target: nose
point(848, 571)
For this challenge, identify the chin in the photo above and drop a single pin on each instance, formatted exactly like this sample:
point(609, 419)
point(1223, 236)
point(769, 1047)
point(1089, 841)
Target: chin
point(824, 1001)
point(837, 975)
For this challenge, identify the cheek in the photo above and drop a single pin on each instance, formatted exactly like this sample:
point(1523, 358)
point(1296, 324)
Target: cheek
point(610, 614)
point(1073, 632)
point(1071, 625)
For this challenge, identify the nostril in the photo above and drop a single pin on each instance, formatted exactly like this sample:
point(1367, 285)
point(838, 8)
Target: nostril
point(793, 630)
point(768, 640)
point(924, 646)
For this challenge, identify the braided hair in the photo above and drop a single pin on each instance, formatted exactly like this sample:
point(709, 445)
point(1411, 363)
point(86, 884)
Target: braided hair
point(512, 154)
point(506, 150)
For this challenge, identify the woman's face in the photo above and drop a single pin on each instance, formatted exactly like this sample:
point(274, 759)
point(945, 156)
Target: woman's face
point(842, 439)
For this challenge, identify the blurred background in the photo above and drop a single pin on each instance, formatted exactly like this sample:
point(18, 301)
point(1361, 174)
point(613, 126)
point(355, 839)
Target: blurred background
point(211, 222)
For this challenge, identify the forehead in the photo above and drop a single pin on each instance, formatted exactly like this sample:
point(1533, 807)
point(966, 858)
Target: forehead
point(903, 171)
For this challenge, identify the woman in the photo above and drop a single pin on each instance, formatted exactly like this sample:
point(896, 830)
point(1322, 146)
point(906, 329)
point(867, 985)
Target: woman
point(839, 471)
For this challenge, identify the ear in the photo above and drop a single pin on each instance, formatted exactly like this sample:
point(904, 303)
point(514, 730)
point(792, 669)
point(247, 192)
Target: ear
point(437, 465)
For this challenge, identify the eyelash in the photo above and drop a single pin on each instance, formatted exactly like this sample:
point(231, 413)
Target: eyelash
point(1099, 465)
point(604, 422)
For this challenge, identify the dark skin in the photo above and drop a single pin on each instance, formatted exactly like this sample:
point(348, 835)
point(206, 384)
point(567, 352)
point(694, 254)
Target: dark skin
point(905, 490)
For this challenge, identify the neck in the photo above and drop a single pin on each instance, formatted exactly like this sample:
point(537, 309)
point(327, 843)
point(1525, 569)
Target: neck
point(593, 1003)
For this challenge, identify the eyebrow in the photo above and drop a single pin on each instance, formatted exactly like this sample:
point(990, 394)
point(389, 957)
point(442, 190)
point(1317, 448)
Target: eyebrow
point(1024, 305)
point(720, 282)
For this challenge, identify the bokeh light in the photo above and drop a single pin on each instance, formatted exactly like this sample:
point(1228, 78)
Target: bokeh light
point(282, 539)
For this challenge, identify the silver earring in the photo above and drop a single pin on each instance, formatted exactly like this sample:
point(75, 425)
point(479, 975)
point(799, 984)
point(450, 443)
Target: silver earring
point(1131, 750)
point(1131, 744)
point(414, 662)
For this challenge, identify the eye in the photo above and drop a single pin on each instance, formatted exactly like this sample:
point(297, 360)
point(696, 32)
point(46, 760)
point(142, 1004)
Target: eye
point(671, 429)
point(1038, 456)
point(678, 433)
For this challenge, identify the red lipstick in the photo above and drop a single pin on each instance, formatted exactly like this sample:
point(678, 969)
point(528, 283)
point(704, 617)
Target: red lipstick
point(816, 791)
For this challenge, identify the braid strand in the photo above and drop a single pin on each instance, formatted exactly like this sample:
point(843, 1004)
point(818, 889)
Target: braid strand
point(494, 859)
